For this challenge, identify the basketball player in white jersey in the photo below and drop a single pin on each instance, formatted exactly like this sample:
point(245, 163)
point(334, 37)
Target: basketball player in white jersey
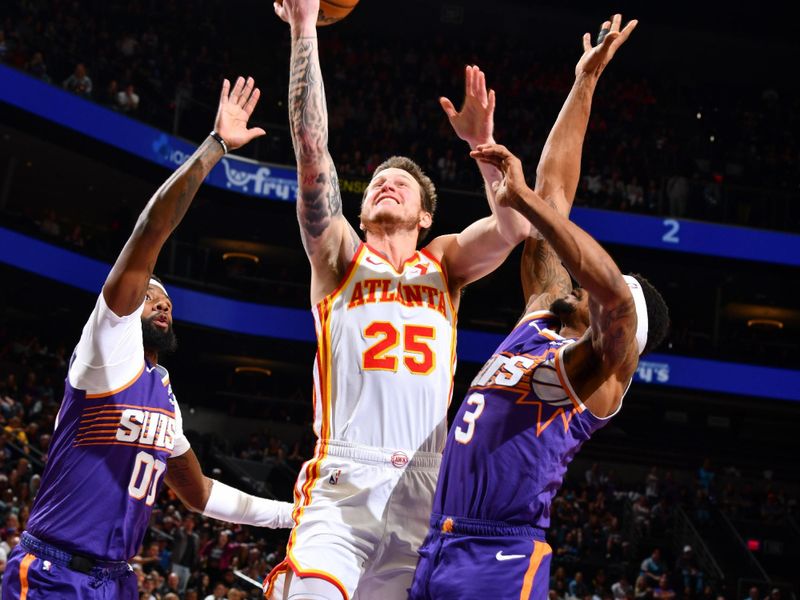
point(385, 317)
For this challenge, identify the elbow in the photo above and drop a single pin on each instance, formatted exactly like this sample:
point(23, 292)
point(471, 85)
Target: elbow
point(152, 225)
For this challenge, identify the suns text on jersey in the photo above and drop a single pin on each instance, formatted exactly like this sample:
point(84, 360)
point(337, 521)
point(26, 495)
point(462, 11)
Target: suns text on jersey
point(147, 428)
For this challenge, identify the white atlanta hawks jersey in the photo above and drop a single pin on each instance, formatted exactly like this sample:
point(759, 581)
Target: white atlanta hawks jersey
point(386, 343)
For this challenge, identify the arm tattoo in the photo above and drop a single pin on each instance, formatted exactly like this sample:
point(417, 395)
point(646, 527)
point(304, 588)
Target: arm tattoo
point(308, 115)
point(542, 271)
point(616, 328)
point(320, 198)
point(178, 470)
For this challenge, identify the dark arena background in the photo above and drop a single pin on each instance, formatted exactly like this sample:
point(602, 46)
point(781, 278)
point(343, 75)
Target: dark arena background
point(689, 175)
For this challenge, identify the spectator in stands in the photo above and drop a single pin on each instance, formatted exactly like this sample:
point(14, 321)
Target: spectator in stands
point(678, 194)
point(3, 45)
point(185, 551)
point(50, 225)
point(218, 594)
point(127, 100)
point(754, 594)
point(37, 67)
point(641, 590)
point(577, 587)
point(705, 475)
point(218, 554)
point(653, 568)
point(686, 566)
point(663, 591)
point(621, 588)
point(79, 82)
point(170, 585)
point(651, 485)
point(641, 515)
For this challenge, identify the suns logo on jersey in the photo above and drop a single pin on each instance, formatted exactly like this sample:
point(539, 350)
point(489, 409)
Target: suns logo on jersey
point(146, 428)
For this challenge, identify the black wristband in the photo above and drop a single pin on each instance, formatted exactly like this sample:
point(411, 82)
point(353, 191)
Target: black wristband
point(222, 143)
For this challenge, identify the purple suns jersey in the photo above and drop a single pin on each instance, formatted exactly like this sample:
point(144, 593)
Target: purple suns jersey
point(516, 431)
point(117, 426)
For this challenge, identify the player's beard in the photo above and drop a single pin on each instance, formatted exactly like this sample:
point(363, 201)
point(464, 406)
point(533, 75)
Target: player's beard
point(160, 341)
point(387, 223)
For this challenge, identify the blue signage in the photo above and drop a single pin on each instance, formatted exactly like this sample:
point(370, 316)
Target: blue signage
point(250, 318)
point(273, 182)
point(234, 173)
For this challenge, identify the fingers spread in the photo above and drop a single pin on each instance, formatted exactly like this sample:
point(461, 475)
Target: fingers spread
point(627, 30)
point(256, 132)
point(448, 107)
point(482, 88)
point(246, 91)
point(223, 96)
point(237, 90)
point(250, 105)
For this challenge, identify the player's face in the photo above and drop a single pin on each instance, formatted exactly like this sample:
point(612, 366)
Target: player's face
point(158, 307)
point(394, 197)
point(157, 321)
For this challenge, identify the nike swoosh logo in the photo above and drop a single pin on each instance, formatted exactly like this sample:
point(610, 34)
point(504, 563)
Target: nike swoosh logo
point(501, 556)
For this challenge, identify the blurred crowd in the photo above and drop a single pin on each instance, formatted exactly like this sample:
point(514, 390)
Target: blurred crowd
point(679, 148)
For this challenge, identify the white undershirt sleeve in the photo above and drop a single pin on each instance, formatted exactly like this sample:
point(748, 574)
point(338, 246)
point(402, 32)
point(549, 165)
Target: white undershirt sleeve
point(110, 353)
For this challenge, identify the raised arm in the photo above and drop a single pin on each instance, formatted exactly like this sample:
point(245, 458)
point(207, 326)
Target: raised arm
point(127, 282)
point(558, 172)
point(612, 311)
point(474, 124)
point(559, 167)
point(329, 240)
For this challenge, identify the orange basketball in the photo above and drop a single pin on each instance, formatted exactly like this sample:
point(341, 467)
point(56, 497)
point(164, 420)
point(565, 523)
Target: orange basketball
point(331, 11)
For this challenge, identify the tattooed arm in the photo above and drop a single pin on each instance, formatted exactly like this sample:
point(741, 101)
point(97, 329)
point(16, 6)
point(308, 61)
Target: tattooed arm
point(126, 284)
point(608, 351)
point(558, 172)
point(329, 240)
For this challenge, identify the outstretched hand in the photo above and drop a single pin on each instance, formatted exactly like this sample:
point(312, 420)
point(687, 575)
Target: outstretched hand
point(610, 38)
point(510, 190)
point(235, 108)
point(474, 123)
point(297, 12)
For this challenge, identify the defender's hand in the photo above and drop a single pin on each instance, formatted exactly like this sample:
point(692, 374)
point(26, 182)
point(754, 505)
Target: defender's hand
point(235, 108)
point(510, 190)
point(610, 38)
point(474, 123)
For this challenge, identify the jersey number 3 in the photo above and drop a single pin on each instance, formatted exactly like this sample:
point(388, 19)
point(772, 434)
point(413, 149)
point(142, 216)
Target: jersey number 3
point(418, 357)
point(147, 471)
point(465, 437)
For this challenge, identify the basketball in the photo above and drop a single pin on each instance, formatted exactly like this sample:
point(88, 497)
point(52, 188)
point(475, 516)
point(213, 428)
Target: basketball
point(331, 12)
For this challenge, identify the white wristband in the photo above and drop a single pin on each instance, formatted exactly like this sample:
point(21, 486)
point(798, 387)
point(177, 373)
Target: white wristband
point(234, 506)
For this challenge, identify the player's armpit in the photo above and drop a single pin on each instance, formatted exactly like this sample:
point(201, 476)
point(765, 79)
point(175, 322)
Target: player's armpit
point(543, 276)
point(473, 253)
point(185, 478)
